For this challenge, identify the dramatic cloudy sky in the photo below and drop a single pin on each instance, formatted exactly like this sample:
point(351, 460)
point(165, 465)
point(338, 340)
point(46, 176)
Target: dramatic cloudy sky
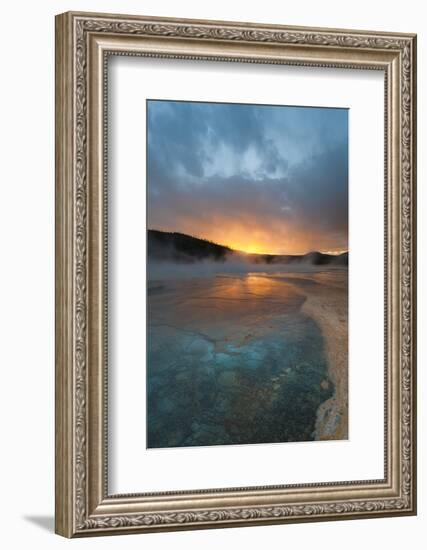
point(256, 178)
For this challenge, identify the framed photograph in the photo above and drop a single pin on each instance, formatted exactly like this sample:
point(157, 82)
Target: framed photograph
point(235, 274)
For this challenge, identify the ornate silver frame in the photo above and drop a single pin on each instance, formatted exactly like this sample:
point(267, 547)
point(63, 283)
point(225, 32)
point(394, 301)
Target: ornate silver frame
point(83, 42)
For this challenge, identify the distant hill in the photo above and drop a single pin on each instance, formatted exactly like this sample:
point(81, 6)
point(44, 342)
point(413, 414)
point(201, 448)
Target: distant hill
point(181, 248)
point(313, 258)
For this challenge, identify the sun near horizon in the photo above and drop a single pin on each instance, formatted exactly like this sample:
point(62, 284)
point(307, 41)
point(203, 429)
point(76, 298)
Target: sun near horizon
point(258, 179)
point(249, 246)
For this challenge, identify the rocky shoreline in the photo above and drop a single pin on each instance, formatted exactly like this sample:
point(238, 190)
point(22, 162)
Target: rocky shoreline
point(327, 304)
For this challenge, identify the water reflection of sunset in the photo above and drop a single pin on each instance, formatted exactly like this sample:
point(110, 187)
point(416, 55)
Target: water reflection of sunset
point(232, 294)
point(233, 359)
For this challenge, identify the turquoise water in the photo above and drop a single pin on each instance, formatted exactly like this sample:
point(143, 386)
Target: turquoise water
point(232, 361)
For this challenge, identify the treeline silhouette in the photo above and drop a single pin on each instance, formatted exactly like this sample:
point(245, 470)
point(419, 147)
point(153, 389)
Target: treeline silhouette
point(181, 248)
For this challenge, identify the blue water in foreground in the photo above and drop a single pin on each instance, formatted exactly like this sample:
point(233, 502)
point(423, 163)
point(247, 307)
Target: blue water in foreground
point(232, 361)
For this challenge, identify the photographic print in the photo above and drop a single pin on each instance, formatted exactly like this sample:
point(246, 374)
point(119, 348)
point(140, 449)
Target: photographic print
point(247, 274)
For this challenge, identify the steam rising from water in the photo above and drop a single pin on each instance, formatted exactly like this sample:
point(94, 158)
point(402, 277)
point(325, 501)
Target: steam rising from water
point(164, 270)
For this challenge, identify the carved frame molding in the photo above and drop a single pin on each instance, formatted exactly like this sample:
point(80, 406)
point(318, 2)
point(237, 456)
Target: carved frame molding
point(83, 42)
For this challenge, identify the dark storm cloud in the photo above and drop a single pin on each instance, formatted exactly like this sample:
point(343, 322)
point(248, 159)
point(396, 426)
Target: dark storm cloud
point(280, 172)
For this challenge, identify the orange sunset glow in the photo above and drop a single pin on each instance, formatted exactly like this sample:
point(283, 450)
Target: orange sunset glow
point(257, 179)
point(253, 238)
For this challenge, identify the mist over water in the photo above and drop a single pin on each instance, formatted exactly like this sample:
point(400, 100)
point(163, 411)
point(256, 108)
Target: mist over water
point(164, 270)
